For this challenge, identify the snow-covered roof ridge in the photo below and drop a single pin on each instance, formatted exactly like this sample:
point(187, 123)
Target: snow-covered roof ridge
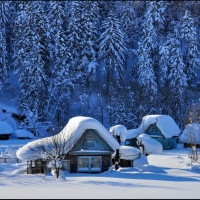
point(165, 123)
point(73, 131)
point(5, 128)
point(191, 133)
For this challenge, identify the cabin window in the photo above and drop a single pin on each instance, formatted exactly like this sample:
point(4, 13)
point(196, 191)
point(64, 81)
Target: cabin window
point(90, 141)
point(90, 138)
point(95, 164)
point(83, 164)
point(89, 164)
point(154, 129)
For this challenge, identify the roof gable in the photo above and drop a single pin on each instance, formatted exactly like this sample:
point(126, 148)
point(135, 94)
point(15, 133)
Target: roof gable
point(91, 140)
point(165, 123)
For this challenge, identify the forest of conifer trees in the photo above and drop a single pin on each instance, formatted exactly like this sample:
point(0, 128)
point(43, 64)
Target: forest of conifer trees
point(116, 61)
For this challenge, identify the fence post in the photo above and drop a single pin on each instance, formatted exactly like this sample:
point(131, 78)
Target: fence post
point(4, 160)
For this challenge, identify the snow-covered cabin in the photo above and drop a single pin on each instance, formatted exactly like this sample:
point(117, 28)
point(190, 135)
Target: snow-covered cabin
point(131, 137)
point(191, 135)
point(5, 130)
point(162, 128)
point(23, 134)
point(89, 148)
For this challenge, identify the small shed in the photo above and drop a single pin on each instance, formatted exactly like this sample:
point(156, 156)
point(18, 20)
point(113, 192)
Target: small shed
point(126, 155)
point(191, 135)
point(162, 128)
point(23, 134)
point(88, 150)
point(131, 137)
point(5, 130)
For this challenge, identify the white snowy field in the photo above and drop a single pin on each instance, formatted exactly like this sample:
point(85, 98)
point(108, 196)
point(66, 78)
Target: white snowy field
point(168, 175)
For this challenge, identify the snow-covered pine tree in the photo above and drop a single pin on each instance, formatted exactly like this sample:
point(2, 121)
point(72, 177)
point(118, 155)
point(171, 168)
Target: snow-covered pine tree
point(148, 46)
point(4, 13)
point(164, 61)
point(177, 77)
point(88, 57)
point(127, 15)
point(74, 37)
point(112, 50)
point(28, 49)
point(60, 86)
point(146, 72)
point(189, 35)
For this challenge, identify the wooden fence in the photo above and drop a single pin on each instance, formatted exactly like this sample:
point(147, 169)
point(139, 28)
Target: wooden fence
point(5, 159)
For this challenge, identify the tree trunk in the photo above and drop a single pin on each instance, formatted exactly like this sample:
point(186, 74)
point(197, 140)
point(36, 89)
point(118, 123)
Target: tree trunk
point(57, 173)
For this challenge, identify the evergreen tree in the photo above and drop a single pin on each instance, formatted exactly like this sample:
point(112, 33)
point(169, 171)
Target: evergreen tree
point(164, 62)
point(74, 37)
point(128, 15)
point(4, 65)
point(189, 36)
point(88, 57)
point(177, 78)
point(29, 63)
point(112, 50)
point(60, 86)
point(148, 47)
point(146, 72)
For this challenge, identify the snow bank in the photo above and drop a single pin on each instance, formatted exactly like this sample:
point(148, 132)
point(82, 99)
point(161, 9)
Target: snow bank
point(19, 171)
point(151, 146)
point(72, 133)
point(129, 153)
point(119, 130)
point(191, 132)
point(24, 133)
point(142, 160)
point(5, 128)
point(165, 123)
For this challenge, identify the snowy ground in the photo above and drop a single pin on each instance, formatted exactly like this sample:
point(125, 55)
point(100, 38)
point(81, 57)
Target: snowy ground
point(168, 175)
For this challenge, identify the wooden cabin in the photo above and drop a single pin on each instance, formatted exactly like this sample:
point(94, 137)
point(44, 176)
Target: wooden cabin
point(91, 154)
point(159, 127)
point(155, 133)
point(89, 148)
point(5, 130)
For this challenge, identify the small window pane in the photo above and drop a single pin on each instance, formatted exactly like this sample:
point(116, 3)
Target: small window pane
point(83, 164)
point(90, 138)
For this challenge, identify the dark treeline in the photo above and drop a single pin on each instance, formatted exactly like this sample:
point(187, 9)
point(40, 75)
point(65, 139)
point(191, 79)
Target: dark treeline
point(116, 61)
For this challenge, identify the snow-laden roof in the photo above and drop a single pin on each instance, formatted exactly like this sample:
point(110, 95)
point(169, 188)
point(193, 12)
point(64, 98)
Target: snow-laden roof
point(5, 128)
point(23, 133)
point(165, 123)
point(129, 153)
point(191, 134)
point(132, 133)
point(119, 130)
point(151, 146)
point(72, 131)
